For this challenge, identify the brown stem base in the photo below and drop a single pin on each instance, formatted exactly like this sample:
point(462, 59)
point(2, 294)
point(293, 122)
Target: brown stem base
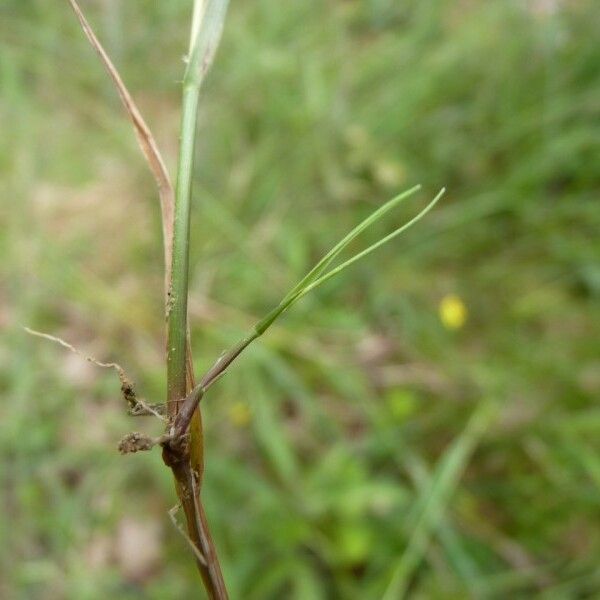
point(186, 484)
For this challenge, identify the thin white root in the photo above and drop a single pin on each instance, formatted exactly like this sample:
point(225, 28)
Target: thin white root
point(127, 387)
point(72, 348)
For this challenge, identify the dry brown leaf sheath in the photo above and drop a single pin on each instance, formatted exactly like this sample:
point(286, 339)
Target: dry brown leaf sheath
point(144, 137)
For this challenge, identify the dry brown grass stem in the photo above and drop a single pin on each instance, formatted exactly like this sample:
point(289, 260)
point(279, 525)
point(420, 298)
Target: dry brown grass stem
point(145, 139)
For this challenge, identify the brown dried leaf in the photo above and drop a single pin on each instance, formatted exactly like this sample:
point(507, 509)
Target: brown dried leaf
point(145, 139)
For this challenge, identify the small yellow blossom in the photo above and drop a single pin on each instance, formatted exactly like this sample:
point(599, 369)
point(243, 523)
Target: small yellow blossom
point(239, 414)
point(452, 311)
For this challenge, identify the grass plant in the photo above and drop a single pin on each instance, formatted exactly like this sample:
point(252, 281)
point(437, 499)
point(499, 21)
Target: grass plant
point(326, 438)
point(183, 441)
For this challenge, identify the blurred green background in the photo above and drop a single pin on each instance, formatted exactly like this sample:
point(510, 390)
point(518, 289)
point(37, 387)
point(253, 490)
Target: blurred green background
point(427, 423)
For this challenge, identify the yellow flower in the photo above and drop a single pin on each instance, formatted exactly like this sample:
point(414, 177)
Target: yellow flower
point(239, 414)
point(452, 311)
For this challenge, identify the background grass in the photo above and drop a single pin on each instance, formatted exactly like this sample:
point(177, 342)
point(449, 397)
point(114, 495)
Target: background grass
point(362, 443)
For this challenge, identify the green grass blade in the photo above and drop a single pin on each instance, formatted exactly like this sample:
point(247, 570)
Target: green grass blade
point(291, 298)
point(326, 260)
point(458, 555)
point(207, 28)
point(335, 271)
point(434, 499)
point(197, 15)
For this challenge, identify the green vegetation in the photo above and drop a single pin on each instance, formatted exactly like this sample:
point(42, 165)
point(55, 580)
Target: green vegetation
point(374, 441)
